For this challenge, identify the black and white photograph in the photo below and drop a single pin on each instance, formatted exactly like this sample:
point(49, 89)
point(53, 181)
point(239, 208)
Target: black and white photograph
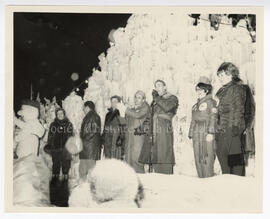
point(140, 110)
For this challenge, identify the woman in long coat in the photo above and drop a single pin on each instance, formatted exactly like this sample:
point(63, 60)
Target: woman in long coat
point(113, 133)
point(202, 129)
point(60, 130)
point(231, 120)
point(134, 118)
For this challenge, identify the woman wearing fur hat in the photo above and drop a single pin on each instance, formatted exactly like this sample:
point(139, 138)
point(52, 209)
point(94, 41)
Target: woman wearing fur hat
point(60, 130)
point(202, 129)
point(231, 120)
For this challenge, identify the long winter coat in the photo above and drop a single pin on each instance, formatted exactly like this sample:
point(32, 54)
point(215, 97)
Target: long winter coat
point(231, 109)
point(59, 132)
point(250, 107)
point(90, 135)
point(161, 152)
point(112, 130)
point(134, 143)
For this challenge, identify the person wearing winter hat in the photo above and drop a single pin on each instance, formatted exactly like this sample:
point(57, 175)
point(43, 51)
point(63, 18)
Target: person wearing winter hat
point(111, 188)
point(59, 132)
point(231, 120)
point(30, 131)
point(113, 133)
point(135, 116)
point(203, 128)
point(159, 151)
point(91, 139)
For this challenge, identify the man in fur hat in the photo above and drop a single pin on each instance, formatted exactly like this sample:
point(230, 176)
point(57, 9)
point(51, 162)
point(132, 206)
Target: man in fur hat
point(160, 152)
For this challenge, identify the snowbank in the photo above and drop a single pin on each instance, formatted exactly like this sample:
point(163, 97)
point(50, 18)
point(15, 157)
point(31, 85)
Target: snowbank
point(223, 193)
point(31, 178)
point(227, 192)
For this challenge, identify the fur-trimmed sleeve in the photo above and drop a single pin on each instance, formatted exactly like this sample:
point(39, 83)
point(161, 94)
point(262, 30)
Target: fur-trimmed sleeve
point(167, 104)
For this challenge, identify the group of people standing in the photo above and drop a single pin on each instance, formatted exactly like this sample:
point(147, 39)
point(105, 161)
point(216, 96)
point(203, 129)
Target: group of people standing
point(144, 134)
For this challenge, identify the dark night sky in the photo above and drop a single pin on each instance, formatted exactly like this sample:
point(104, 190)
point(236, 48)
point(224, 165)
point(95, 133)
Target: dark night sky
point(48, 47)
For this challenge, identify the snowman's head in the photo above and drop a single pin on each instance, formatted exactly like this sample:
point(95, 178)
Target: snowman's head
point(29, 110)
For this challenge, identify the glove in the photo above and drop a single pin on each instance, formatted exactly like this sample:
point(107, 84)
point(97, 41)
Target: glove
point(155, 94)
point(139, 131)
point(235, 130)
point(119, 141)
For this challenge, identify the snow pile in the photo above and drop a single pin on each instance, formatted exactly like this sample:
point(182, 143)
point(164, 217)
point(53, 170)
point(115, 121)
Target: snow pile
point(31, 182)
point(111, 184)
point(224, 193)
point(169, 47)
point(227, 192)
point(81, 197)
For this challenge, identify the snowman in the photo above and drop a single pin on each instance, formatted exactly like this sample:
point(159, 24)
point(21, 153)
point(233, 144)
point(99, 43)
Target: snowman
point(29, 129)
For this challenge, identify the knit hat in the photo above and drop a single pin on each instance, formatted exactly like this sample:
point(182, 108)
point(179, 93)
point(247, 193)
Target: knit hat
point(141, 93)
point(32, 103)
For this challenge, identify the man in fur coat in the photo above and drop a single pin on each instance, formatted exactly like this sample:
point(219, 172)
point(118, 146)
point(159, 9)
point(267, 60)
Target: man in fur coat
point(158, 147)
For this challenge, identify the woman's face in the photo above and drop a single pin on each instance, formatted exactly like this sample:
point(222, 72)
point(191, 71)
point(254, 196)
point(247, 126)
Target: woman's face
point(60, 115)
point(114, 103)
point(224, 78)
point(200, 93)
point(138, 100)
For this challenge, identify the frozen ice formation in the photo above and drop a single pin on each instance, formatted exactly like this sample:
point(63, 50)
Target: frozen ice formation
point(168, 47)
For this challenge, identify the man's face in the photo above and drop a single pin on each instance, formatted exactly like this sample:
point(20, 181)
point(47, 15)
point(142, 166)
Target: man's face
point(114, 102)
point(160, 88)
point(138, 100)
point(86, 109)
point(60, 115)
point(224, 78)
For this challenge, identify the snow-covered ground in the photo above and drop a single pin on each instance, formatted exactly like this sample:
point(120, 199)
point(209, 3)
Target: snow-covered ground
point(184, 193)
point(223, 193)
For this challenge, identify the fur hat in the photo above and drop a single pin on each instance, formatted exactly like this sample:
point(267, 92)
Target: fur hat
point(112, 181)
point(32, 103)
point(204, 80)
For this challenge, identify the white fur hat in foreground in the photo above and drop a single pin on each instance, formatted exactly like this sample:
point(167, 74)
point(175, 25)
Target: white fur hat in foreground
point(113, 180)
